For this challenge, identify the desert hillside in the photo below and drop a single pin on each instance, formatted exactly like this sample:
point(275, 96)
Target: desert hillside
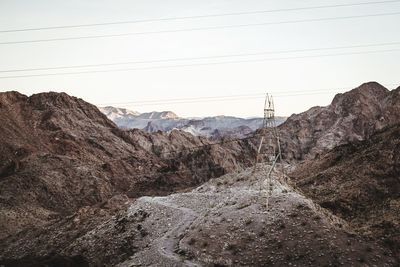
point(359, 182)
point(224, 222)
point(77, 190)
point(352, 116)
point(60, 153)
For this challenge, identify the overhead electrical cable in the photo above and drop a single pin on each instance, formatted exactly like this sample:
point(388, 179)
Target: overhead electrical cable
point(237, 99)
point(226, 97)
point(198, 29)
point(199, 58)
point(229, 99)
point(197, 64)
point(196, 16)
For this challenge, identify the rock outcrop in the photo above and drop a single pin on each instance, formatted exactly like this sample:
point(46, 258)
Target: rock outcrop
point(68, 175)
point(224, 222)
point(354, 115)
point(59, 154)
point(359, 182)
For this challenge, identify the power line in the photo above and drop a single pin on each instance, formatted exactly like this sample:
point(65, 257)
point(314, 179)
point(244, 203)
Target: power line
point(197, 64)
point(276, 94)
point(182, 99)
point(138, 104)
point(242, 98)
point(197, 29)
point(202, 99)
point(199, 58)
point(195, 17)
point(223, 97)
point(227, 99)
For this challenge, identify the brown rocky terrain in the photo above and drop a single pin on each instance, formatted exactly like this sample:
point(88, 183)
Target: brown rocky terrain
point(75, 190)
point(359, 182)
point(354, 115)
point(224, 222)
point(59, 154)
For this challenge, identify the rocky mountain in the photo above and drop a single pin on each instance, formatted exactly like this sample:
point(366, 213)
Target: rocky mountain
point(59, 154)
point(76, 190)
point(118, 113)
point(359, 182)
point(354, 115)
point(128, 119)
point(211, 127)
point(164, 115)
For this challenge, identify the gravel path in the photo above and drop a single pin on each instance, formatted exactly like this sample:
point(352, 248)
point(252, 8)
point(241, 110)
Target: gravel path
point(163, 249)
point(225, 222)
point(169, 242)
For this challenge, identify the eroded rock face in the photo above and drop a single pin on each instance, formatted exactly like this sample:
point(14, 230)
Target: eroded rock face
point(59, 153)
point(359, 182)
point(224, 222)
point(67, 175)
point(351, 116)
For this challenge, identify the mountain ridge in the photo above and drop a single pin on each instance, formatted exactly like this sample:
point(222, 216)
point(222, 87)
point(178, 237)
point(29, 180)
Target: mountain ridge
point(59, 153)
point(353, 115)
point(72, 186)
point(214, 127)
point(359, 182)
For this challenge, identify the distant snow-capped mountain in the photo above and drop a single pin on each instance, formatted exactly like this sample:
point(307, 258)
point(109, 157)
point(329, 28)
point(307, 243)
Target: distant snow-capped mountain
point(212, 127)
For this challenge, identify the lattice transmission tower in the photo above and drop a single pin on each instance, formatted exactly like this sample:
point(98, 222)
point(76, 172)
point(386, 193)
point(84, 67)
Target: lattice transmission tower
point(269, 149)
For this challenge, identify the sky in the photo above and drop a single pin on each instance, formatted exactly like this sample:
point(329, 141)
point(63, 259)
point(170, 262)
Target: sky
point(297, 80)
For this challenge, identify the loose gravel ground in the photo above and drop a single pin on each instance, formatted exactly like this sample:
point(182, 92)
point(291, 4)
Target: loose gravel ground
point(225, 222)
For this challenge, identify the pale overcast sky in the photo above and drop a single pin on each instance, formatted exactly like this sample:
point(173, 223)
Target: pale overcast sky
point(304, 74)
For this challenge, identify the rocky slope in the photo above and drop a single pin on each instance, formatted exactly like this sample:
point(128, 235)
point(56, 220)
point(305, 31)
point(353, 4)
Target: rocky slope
point(221, 223)
point(72, 186)
point(354, 115)
point(359, 182)
point(59, 154)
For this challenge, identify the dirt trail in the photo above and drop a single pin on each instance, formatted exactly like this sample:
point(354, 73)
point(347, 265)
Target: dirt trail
point(173, 222)
point(225, 223)
point(168, 243)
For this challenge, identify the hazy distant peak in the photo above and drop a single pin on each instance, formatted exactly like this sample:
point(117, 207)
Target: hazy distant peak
point(114, 113)
point(165, 121)
point(158, 115)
